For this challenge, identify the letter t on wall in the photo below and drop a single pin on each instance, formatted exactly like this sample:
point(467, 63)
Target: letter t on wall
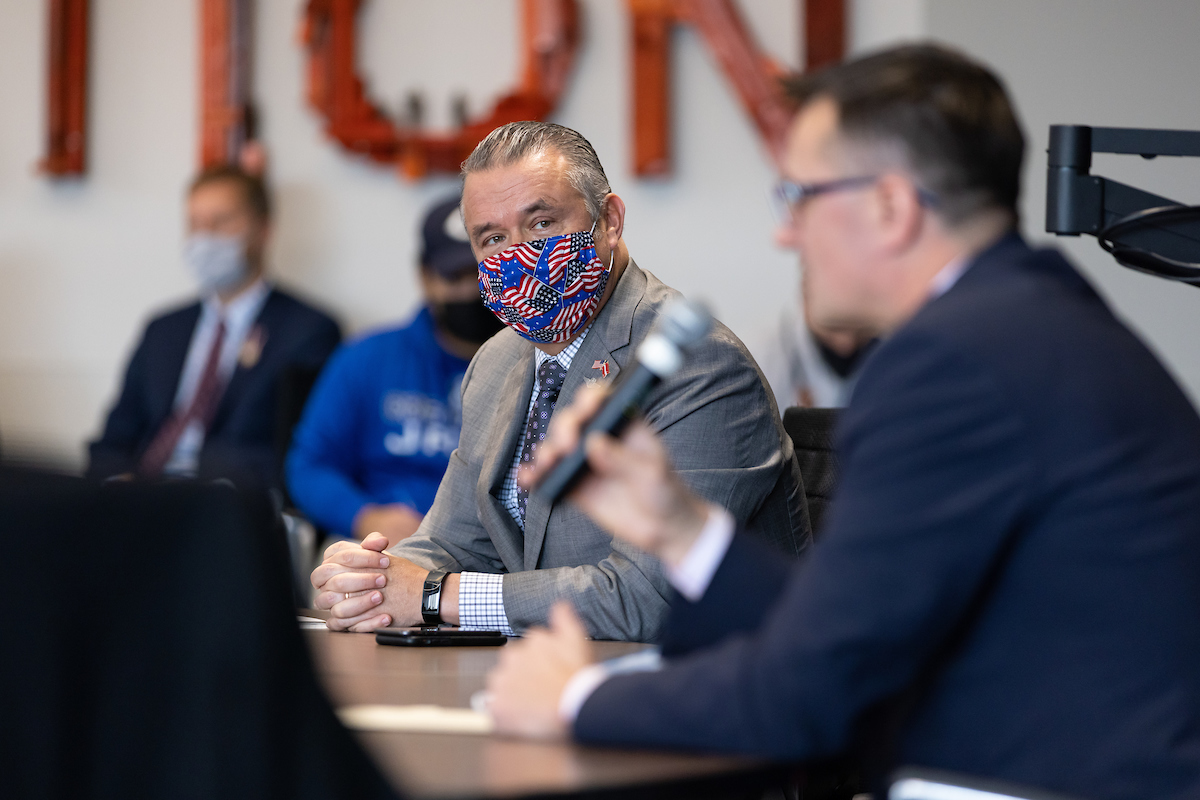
point(226, 121)
point(66, 103)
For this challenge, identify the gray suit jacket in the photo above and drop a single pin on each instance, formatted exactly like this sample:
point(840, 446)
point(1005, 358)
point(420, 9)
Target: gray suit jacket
point(720, 425)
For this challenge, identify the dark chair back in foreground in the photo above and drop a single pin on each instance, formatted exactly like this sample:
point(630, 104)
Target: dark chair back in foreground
point(811, 431)
point(151, 650)
point(295, 385)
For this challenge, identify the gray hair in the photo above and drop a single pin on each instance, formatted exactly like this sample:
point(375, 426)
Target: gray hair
point(512, 142)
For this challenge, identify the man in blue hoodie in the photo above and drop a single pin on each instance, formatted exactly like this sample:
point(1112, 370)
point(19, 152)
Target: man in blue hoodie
point(384, 416)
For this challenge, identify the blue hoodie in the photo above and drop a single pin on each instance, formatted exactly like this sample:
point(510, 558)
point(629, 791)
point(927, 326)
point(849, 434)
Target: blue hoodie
point(379, 426)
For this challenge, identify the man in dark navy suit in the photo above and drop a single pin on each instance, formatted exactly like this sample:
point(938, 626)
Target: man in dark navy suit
point(1008, 583)
point(201, 393)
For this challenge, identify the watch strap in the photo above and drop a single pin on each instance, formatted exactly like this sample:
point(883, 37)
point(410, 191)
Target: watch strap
point(431, 597)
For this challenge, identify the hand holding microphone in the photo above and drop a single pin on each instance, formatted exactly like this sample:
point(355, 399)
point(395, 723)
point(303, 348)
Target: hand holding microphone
point(629, 487)
point(682, 324)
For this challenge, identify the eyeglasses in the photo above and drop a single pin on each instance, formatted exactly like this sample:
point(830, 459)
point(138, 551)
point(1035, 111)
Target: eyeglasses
point(791, 195)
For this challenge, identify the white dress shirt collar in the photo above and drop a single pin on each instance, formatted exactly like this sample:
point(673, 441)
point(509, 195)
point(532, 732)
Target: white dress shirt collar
point(564, 357)
point(948, 276)
point(241, 311)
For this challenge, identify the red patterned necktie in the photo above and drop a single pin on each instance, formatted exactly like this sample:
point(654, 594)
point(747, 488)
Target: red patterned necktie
point(201, 409)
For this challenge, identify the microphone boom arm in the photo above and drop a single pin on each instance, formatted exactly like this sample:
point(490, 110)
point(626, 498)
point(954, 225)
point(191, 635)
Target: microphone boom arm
point(1078, 202)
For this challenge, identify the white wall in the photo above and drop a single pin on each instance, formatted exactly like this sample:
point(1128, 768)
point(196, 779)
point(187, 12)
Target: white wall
point(82, 263)
point(1102, 64)
point(875, 23)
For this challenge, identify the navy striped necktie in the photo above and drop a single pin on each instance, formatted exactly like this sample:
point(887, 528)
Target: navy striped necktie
point(550, 376)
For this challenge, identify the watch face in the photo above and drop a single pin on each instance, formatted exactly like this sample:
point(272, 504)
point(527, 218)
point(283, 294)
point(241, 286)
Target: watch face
point(431, 598)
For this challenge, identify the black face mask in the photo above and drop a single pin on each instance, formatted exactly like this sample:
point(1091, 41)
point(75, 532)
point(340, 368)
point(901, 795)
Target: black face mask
point(843, 365)
point(470, 320)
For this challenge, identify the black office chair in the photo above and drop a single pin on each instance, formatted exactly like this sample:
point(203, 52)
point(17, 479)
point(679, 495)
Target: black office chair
point(151, 650)
point(811, 431)
point(928, 784)
point(295, 385)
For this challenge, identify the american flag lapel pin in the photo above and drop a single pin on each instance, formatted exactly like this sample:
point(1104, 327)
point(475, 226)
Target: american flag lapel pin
point(602, 366)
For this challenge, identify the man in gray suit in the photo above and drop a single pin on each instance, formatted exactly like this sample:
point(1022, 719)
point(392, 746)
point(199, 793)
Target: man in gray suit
point(554, 268)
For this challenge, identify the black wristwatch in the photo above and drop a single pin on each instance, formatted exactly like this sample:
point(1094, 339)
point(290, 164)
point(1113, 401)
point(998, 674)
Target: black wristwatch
point(431, 598)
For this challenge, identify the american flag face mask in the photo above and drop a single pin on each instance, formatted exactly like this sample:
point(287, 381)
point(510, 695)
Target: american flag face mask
point(546, 290)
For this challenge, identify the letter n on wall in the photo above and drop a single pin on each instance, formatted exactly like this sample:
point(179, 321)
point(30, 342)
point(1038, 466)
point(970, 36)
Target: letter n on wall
point(754, 75)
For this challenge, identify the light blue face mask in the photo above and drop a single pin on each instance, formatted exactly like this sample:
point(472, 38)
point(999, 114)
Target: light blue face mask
point(216, 262)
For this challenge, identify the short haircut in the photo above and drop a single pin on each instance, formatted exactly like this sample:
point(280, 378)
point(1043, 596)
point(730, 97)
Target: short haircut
point(512, 142)
point(253, 188)
point(949, 116)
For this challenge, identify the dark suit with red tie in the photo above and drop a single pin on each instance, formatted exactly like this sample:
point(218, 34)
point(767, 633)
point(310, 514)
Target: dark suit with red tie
point(240, 440)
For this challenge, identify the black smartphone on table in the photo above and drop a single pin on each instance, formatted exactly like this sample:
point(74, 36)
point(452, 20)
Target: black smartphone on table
point(439, 637)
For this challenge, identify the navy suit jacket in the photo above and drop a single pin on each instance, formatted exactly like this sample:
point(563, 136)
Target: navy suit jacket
point(240, 444)
point(1008, 583)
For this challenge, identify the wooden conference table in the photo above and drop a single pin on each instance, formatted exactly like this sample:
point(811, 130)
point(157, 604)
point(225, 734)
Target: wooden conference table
point(440, 765)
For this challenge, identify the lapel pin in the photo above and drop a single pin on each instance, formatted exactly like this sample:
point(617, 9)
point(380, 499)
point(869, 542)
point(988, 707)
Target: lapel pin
point(252, 348)
point(602, 366)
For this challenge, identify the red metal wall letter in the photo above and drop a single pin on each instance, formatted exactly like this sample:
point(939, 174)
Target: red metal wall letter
point(755, 76)
point(550, 34)
point(225, 48)
point(66, 106)
point(824, 32)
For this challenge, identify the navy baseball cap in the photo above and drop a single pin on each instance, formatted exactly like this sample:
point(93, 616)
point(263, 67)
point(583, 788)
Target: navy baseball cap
point(445, 248)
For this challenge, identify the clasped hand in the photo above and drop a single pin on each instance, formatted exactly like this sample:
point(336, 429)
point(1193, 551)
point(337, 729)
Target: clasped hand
point(364, 588)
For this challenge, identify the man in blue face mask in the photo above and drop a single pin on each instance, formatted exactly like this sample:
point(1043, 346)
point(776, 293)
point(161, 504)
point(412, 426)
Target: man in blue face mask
point(546, 231)
point(200, 396)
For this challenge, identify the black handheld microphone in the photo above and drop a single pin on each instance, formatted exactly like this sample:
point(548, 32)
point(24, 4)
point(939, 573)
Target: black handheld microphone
point(682, 324)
